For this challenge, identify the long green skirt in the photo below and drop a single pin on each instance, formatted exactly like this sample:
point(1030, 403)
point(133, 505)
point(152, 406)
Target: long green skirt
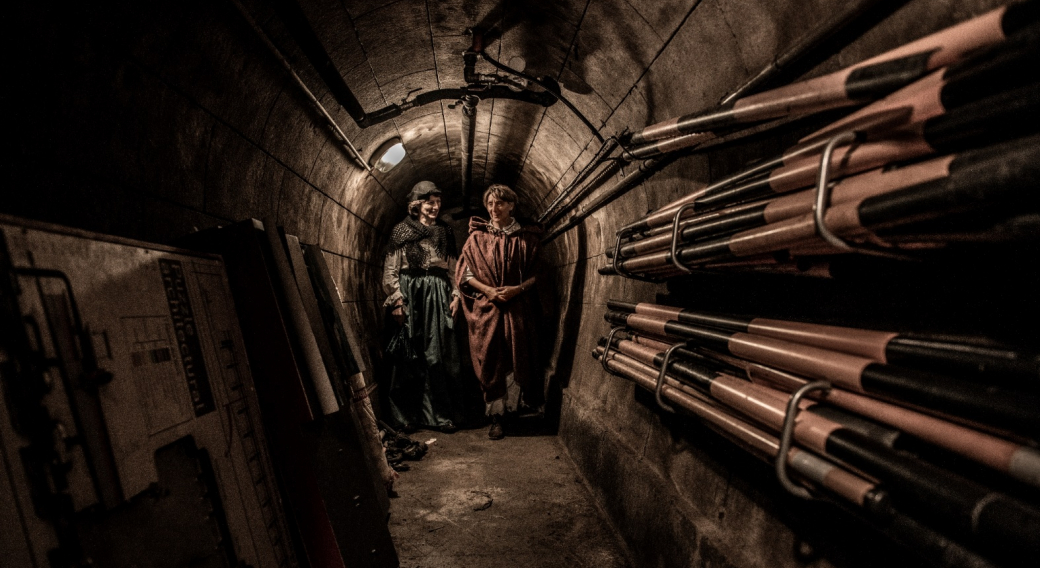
point(425, 389)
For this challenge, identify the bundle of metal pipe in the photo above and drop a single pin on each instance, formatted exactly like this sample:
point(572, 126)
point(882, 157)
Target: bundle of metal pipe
point(850, 12)
point(979, 102)
point(858, 83)
point(973, 400)
point(982, 110)
point(859, 495)
point(960, 47)
point(840, 482)
point(1011, 457)
point(745, 368)
point(974, 355)
point(758, 213)
point(996, 180)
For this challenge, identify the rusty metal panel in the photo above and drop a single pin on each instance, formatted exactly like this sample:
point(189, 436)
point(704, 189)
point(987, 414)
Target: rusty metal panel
point(135, 399)
point(339, 513)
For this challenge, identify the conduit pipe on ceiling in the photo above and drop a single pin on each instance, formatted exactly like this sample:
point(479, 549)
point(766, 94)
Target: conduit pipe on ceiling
point(657, 148)
point(601, 176)
point(655, 153)
point(604, 150)
point(469, 61)
point(649, 167)
point(303, 86)
point(300, 29)
point(547, 84)
point(469, 129)
point(549, 88)
point(646, 169)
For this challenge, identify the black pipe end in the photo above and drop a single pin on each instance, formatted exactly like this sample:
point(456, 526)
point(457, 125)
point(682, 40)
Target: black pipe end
point(621, 306)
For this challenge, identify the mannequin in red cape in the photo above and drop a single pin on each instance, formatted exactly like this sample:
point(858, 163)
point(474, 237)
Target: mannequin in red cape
point(497, 276)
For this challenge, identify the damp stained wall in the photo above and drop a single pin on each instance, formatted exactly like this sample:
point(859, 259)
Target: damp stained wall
point(152, 120)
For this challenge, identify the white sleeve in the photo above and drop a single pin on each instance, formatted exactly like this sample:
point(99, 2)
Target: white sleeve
point(392, 277)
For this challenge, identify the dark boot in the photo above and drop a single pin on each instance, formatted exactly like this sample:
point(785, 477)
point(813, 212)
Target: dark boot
point(495, 432)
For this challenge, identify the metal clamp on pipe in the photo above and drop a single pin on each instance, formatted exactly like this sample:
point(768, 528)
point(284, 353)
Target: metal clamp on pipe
point(661, 377)
point(606, 349)
point(823, 196)
point(621, 271)
point(675, 239)
point(787, 431)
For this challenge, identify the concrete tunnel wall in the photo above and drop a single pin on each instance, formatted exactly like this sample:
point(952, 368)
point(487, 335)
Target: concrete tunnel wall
point(153, 121)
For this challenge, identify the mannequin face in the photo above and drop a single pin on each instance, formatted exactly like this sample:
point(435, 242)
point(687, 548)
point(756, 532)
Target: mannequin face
point(430, 210)
point(501, 212)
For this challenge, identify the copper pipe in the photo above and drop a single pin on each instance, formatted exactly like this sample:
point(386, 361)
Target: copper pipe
point(866, 80)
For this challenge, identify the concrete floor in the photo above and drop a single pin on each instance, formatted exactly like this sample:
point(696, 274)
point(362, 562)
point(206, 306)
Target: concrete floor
point(472, 502)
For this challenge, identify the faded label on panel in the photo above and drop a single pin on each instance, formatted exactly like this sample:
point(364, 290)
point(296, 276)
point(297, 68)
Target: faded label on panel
point(161, 394)
point(186, 336)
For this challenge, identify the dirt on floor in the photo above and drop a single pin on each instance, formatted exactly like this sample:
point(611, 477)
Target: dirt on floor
point(472, 502)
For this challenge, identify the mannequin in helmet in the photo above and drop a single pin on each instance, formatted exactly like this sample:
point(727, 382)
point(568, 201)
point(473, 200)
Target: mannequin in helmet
point(419, 276)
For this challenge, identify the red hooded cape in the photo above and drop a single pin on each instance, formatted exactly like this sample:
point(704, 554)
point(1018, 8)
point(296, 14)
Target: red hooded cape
point(502, 337)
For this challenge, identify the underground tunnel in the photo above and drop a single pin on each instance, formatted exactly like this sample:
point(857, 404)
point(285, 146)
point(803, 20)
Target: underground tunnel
point(797, 228)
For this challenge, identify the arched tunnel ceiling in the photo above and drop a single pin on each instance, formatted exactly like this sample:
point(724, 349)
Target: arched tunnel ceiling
point(388, 51)
point(179, 112)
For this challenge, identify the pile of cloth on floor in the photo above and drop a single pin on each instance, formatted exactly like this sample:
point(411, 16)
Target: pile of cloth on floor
point(400, 448)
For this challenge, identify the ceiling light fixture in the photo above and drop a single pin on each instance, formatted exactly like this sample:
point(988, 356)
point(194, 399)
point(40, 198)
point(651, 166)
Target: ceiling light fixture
point(389, 154)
